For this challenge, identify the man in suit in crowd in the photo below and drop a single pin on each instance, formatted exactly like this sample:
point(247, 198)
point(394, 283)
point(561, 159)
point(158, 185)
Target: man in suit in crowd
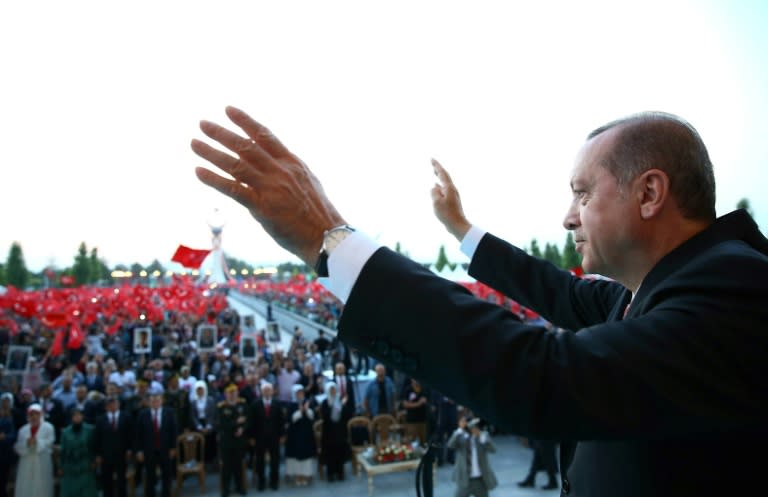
point(267, 430)
point(113, 444)
point(665, 396)
point(472, 472)
point(345, 383)
point(53, 409)
point(155, 443)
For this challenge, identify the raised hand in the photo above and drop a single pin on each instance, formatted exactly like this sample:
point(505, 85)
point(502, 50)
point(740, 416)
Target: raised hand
point(447, 203)
point(276, 187)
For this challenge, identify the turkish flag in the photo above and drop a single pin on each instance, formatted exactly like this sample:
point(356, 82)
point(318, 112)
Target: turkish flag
point(189, 257)
point(55, 319)
point(58, 344)
point(67, 280)
point(75, 337)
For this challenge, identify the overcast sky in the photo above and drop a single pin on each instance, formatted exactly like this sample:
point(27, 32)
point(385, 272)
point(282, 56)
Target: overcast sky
point(99, 100)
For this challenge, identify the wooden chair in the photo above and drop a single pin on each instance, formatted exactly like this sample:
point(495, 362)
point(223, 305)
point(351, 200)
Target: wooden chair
point(357, 442)
point(318, 429)
point(190, 452)
point(380, 428)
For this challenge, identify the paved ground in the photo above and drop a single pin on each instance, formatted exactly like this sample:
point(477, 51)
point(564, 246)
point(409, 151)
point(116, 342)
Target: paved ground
point(510, 463)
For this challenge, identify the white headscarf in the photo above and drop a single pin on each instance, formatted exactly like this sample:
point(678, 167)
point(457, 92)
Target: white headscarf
point(201, 401)
point(295, 388)
point(333, 402)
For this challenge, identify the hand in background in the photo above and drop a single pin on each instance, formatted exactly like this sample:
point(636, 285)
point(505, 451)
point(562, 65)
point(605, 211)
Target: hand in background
point(447, 203)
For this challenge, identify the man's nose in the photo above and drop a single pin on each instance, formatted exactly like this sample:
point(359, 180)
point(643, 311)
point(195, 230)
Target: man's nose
point(571, 221)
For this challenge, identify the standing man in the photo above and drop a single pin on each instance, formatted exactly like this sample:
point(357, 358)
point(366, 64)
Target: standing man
point(34, 445)
point(232, 417)
point(380, 394)
point(155, 439)
point(665, 396)
point(78, 459)
point(472, 472)
point(112, 440)
point(267, 430)
point(345, 384)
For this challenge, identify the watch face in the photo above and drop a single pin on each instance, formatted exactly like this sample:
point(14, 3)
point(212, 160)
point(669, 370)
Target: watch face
point(335, 237)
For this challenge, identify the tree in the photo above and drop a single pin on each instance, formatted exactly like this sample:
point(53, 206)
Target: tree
point(2, 274)
point(552, 254)
point(571, 258)
point(155, 266)
point(81, 269)
point(99, 269)
point(442, 259)
point(744, 204)
point(534, 250)
point(16, 273)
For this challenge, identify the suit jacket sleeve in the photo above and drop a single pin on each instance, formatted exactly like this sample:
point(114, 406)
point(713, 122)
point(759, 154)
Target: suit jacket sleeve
point(561, 298)
point(687, 363)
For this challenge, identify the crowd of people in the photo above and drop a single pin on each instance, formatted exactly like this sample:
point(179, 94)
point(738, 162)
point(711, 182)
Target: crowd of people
point(83, 416)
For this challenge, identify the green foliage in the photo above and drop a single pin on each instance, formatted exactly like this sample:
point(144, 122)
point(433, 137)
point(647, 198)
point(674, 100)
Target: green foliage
point(744, 204)
point(552, 254)
point(99, 269)
point(2, 274)
point(16, 273)
point(571, 258)
point(442, 259)
point(535, 250)
point(81, 269)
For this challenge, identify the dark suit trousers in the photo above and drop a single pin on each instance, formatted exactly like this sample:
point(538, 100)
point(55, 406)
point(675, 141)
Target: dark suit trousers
point(108, 481)
point(274, 464)
point(232, 465)
point(152, 461)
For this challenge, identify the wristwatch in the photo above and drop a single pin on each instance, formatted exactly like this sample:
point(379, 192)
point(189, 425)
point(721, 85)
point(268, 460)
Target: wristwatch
point(331, 239)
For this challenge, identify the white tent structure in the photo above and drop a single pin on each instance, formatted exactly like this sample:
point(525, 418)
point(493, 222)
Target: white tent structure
point(214, 267)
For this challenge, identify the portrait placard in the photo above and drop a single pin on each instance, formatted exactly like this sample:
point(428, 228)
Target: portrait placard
point(273, 331)
point(18, 358)
point(248, 347)
point(206, 338)
point(142, 340)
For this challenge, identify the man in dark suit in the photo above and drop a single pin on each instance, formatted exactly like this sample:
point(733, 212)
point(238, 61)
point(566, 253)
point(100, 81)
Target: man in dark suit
point(345, 383)
point(155, 443)
point(53, 409)
point(267, 430)
point(113, 444)
point(665, 396)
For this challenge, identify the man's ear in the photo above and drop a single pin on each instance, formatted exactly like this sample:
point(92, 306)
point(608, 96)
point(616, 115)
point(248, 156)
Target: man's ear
point(652, 189)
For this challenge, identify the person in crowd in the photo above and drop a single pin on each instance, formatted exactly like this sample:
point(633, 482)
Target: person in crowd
point(315, 358)
point(203, 417)
point(287, 377)
point(446, 415)
point(78, 459)
point(322, 342)
point(177, 399)
point(7, 438)
point(335, 413)
point(232, 426)
point(251, 391)
point(267, 432)
point(673, 294)
point(472, 472)
point(66, 392)
point(543, 460)
point(113, 445)
point(380, 394)
point(300, 449)
point(53, 409)
point(155, 443)
point(417, 411)
point(344, 383)
point(34, 446)
point(310, 381)
point(187, 382)
point(93, 380)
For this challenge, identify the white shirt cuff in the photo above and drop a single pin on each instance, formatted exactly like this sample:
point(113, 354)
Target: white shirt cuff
point(345, 263)
point(471, 240)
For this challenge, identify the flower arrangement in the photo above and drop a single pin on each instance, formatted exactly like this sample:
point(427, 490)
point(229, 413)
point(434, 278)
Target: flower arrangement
point(394, 453)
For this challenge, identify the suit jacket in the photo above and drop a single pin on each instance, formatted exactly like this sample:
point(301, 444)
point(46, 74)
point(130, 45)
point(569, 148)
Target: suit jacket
point(460, 442)
point(144, 431)
point(670, 401)
point(349, 388)
point(112, 444)
point(267, 430)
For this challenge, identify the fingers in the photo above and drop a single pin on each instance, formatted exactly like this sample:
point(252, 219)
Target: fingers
point(228, 187)
point(247, 149)
point(437, 193)
point(441, 173)
point(237, 168)
point(258, 133)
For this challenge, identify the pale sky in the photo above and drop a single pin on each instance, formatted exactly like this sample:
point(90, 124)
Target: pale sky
point(99, 100)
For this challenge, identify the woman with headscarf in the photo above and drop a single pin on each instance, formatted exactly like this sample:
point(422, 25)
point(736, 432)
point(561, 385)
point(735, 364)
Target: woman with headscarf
point(300, 446)
point(78, 478)
point(7, 438)
point(335, 412)
point(202, 414)
point(34, 445)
